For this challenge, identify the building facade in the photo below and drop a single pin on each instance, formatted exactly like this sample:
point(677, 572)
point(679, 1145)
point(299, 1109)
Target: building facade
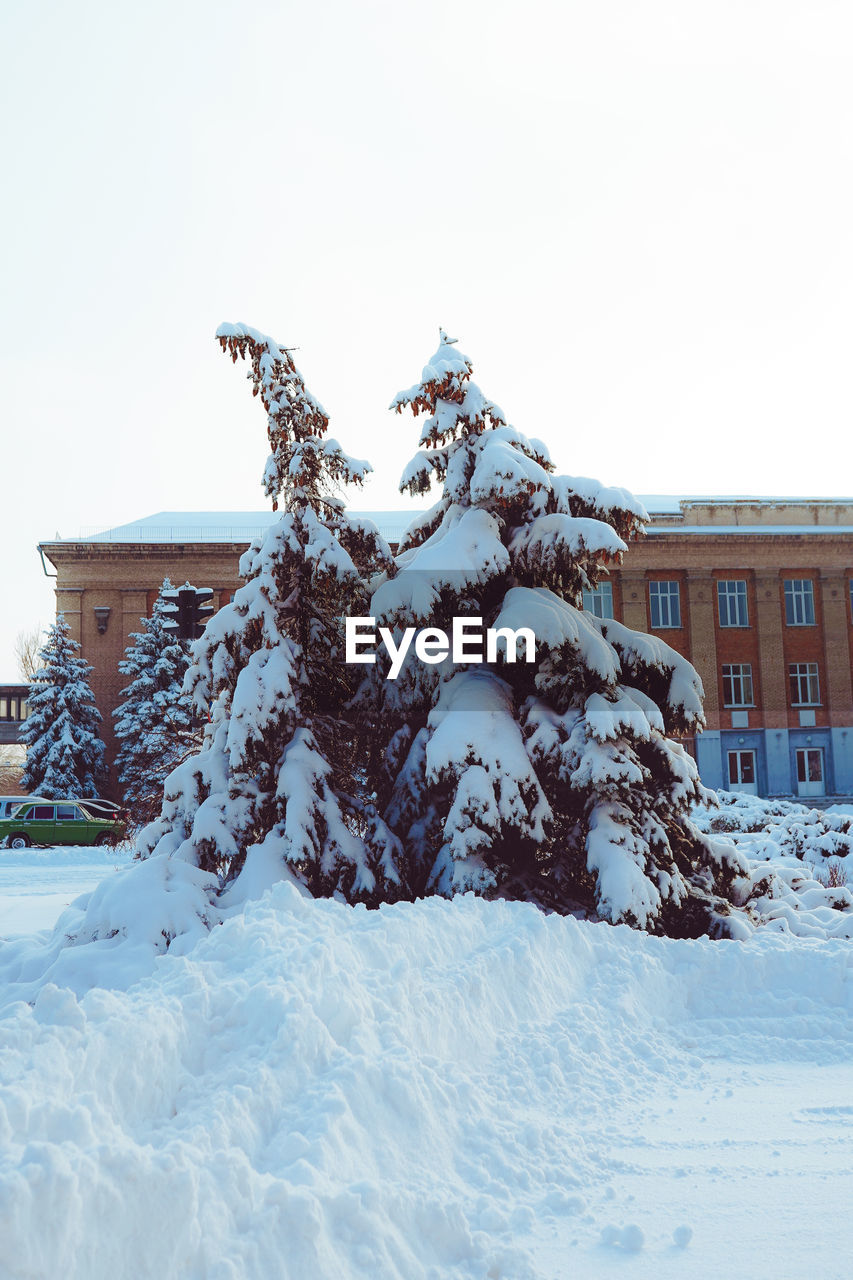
point(13, 712)
point(757, 593)
point(759, 596)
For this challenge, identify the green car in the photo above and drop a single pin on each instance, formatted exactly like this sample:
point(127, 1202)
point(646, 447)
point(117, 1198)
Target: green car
point(58, 822)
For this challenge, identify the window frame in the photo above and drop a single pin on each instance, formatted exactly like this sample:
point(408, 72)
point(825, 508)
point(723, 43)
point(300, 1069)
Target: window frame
point(733, 600)
point(799, 599)
point(744, 673)
point(798, 675)
point(657, 595)
point(601, 595)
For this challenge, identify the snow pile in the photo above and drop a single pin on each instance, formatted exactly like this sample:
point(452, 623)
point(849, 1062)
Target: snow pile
point(112, 936)
point(433, 1091)
point(792, 868)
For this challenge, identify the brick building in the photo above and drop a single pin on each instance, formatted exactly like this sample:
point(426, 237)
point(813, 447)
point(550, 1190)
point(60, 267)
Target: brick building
point(757, 593)
point(13, 712)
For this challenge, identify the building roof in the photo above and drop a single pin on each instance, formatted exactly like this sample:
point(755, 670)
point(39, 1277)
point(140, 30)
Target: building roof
point(670, 513)
point(222, 526)
point(658, 504)
point(747, 530)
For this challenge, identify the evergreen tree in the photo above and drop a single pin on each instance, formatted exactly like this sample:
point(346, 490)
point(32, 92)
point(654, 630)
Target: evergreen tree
point(270, 795)
point(65, 755)
point(554, 780)
point(154, 721)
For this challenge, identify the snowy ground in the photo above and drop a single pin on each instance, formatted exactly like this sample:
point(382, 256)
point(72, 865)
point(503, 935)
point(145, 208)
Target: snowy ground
point(458, 1090)
point(37, 884)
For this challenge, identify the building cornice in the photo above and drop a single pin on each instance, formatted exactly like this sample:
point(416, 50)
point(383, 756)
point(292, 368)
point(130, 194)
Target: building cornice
point(65, 552)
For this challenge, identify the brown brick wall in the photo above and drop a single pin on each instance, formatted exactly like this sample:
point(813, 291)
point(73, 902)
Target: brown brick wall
point(126, 577)
point(737, 644)
point(804, 643)
point(768, 644)
point(677, 638)
point(701, 609)
point(838, 653)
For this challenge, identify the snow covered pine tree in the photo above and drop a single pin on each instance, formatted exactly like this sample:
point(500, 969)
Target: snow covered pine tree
point(65, 755)
point(268, 797)
point(553, 780)
point(154, 721)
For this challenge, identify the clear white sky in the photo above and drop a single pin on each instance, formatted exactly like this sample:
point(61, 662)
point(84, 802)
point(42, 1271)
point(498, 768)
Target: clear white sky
point(637, 219)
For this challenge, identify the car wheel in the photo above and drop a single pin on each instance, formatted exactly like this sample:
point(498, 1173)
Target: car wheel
point(19, 841)
point(105, 838)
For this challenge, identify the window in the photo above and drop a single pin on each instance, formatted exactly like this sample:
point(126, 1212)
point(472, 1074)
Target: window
point(799, 602)
point(66, 812)
point(42, 813)
point(664, 603)
point(804, 684)
point(737, 684)
point(731, 601)
point(599, 600)
point(13, 708)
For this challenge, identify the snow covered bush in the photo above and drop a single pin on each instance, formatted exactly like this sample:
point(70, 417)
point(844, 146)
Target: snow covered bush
point(737, 812)
point(154, 720)
point(557, 781)
point(833, 877)
point(776, 830)
point(799, 862)
point(65, 754)
point(271, 794)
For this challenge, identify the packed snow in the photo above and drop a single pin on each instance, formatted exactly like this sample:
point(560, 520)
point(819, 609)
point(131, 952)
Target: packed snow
point(446, 1089)
point(36, 885)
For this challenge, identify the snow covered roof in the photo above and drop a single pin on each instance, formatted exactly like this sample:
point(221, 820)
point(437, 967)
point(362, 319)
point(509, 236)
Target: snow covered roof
point(222, 526)
point(669, 509)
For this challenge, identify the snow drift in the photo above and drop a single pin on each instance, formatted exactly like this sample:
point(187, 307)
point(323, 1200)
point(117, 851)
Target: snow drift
point(435, 1091)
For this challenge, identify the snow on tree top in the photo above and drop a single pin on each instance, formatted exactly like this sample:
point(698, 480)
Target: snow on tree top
point(448, 369)
point(226, 330)
point(471, 406)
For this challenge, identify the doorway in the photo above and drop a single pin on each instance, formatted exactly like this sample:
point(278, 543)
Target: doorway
point(742, 772)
